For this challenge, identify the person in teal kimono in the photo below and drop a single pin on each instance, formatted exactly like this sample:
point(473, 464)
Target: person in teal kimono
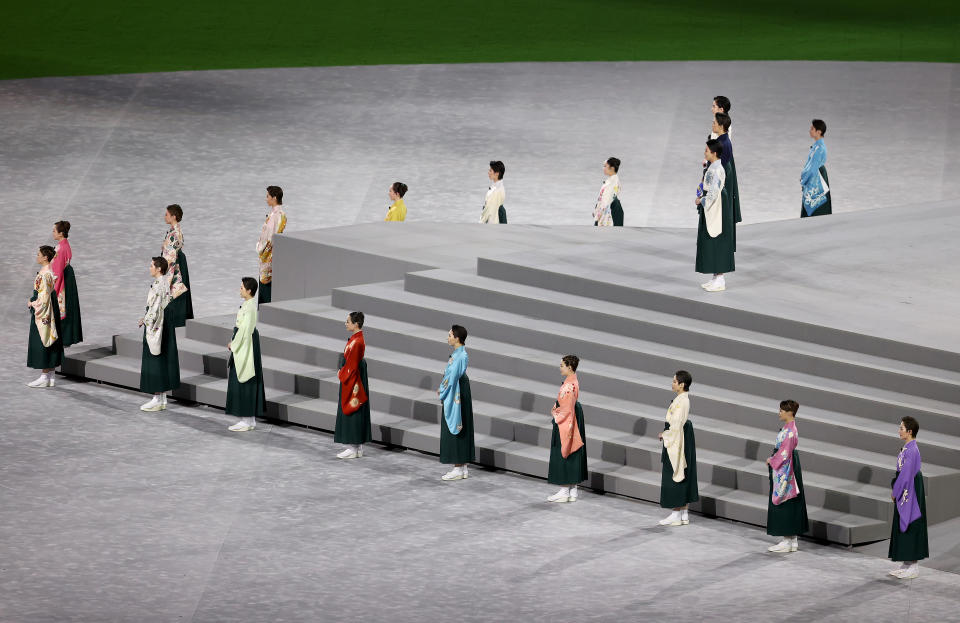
point(456, 425)
point(814, 183)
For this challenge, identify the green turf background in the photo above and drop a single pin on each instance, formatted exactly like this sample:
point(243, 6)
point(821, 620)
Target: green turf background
point(58, 37)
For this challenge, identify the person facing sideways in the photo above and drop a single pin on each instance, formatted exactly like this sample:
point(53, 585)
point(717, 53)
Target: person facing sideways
point(275, 223)
point(398, 209)
point(721, 103)
point(568, 450)
point(608, 211)
point(814, 184)
point(721, 127)
point(44, 347)
point(180, 308)
point(456, 423)
point(714, 232)
point(678, 474)
point(65, 283)
point(246, 396)
point(787, 506)
point(908, 533)
point(353, 408)
point(493, 210)
point(160, 361)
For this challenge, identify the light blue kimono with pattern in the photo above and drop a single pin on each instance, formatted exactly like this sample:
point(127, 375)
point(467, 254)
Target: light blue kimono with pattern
point(811, 182)
point(449, 391)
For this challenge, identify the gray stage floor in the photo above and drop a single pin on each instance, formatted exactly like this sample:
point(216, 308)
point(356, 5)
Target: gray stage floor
point(111, 514)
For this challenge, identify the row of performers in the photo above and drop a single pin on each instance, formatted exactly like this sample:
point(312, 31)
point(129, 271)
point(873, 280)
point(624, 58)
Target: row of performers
point(786, 509)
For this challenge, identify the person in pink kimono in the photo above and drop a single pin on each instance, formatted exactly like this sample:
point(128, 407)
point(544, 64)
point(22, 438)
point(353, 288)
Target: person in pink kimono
point(787, 506)
point(568, 450)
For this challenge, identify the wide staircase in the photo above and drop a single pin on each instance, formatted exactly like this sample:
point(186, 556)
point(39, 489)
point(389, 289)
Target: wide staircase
point(521, 321)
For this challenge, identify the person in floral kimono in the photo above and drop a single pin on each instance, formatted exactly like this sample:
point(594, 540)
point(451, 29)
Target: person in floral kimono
point(275, 223)
point(159, 361)
point(180, 308)
point(568, 450)
point(44, 346)
point(814, 183)
point(787, 506)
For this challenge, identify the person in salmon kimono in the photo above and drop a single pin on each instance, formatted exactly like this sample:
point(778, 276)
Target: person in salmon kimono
point(568, 450)
point(353, 408)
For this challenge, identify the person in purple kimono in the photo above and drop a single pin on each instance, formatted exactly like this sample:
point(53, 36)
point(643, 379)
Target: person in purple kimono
point(787, 506)
point(908, 534)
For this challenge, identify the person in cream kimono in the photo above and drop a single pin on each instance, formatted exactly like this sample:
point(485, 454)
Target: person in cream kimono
point(608, 211)
point(159, 362)
point(493, 210)
point(715, 241)
point(678, 482)
point(275, 223)
point(245, 392)
point(45, 343)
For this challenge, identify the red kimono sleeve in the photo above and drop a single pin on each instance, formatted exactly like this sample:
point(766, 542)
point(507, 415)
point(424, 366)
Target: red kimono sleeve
point(352, 392)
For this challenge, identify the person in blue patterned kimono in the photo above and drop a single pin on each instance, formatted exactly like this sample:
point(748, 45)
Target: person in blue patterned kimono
point(456, 423)
point(814, 183)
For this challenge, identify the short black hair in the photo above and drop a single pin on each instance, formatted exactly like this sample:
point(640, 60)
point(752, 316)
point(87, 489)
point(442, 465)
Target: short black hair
point(723, 102)
point(714, 146)
point(400, 188)
point(498, 168)
point(614, 163)
point(684, 378)
point(250, 284)
point(161, 263)
point(276, 192)
point(175, 211)
point(63, 227)
point(911, 424)
point(571, 361)
point(459, 333)
point(48, 252)
point(819, 125)
point(790, 406)
point(357, 318)
point(723, 119)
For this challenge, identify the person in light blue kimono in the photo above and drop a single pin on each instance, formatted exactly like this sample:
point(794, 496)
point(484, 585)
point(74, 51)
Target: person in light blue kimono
point(456, 423)
point(814, 183)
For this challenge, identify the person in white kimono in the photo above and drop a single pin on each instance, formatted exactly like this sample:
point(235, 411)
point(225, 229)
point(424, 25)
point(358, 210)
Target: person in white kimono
point(493, 202)
point(159, 363)
point(715, 241)
point(275, 223)
point(603, 210)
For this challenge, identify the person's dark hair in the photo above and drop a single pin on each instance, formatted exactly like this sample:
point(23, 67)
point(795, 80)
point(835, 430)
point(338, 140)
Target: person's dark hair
point(250, 285)
point(790, 406)
point(357, 318)
point(460, 333)
point(400, 188)
point(723, 119)
point(614, 163)
point(161, 263)
point(684, 378)
point(276, 192)
point(63, 228)
point(723, 102)
point(820, 126)
point(571, 361)
point(175, 211)
point(714, 146)
point(911, 424)
point(48, 252)
point(498, 168)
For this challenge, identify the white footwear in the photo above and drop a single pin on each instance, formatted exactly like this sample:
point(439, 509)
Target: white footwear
point(574, 493)
point(794, 544)
point(360, 451)
point(718, 285)
point(163, 401)
point(466, 472)
point(708, 284)
point(349, 453)
point(153, 405)
point(563, 495)
point(684, 518)
point(240, 427)
point(896, 572)
point(42, 381)
point(909, 573)
point(454, 474)
point(783, 547)
point(672, 520)
point(51, 379)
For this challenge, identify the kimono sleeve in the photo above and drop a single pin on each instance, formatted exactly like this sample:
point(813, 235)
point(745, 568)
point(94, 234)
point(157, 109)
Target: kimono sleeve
point(785, 453)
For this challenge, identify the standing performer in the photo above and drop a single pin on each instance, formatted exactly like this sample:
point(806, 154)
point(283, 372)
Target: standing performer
point(568, 450)
point(456, 426)
point(814, 183)
point(678, 481)
point(160, 361)
point(66, 286)
point(246, 398)
point(275, 223)
point(715, 231)
point(787, 507)
point(908, 534)
point(353, 408)
point(44, 347)
point(721, 128)
point(180, 308)
point(608, 211)
point(493, 210)
point(398, 209)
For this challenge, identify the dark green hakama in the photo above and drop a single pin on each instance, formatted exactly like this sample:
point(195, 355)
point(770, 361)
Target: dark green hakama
point(616, 212)
point(827, 207)
point(502, 215)
point(180, 309)
point(247, 399)
point(161, 373)
point(264, 293)
point(731, 170)
point(913, 544)
point(678, 494)
point(788, 518)
point(40, 357)
point(715, 255)
point(573, 469)
point(354, 429)
point(459, 449)
point(72, 324)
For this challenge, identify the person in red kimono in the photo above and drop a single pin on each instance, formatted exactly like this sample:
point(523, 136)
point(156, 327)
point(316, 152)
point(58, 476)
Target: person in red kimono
point(353, 408)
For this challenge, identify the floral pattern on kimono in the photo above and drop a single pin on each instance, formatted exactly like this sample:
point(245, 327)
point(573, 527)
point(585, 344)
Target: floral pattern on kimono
point(904, 493)
point(564, 414)
point(275, 223)
point(812, 184)
point(781, 461)
point(157, 300)
point(60, 262)
point(609, 191)
point(353, 395)
point(172, 245)
point(449, 391)
point(43, 308)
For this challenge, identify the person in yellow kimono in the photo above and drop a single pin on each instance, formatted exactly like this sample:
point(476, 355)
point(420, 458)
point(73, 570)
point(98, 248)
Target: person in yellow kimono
point(275, 223)
point(398, 209)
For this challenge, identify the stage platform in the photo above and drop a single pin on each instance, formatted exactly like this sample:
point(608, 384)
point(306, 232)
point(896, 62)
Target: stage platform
point(850, 315)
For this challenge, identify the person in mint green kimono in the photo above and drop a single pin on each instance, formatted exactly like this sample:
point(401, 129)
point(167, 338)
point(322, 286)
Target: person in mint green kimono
point(815, 200)
point(456, 425)
point(246, 397)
